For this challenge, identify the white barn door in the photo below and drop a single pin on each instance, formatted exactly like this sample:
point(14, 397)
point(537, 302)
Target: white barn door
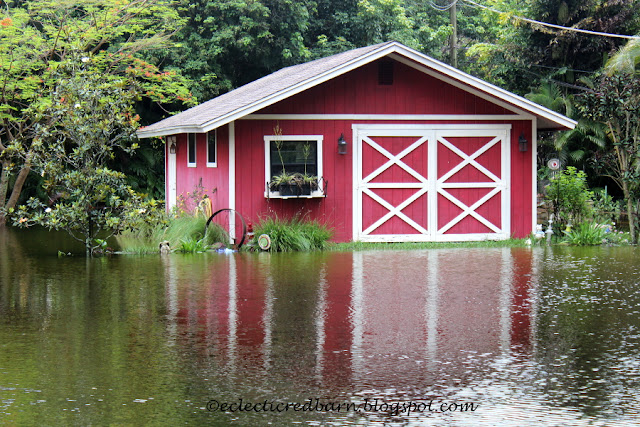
point(431, 182)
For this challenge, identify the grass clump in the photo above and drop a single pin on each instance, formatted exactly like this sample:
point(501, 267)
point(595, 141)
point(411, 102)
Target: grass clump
point(187, 233)
point(192, 245)
point(592, 233)
point(585, 234)
point(295, 234)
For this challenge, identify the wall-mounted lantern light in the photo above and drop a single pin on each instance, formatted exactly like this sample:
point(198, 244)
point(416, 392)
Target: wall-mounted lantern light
point(522, 142)
point(342, 145)
point(171, 140)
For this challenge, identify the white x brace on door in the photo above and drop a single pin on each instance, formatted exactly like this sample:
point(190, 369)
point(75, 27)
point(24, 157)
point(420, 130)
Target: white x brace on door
point(431, 182)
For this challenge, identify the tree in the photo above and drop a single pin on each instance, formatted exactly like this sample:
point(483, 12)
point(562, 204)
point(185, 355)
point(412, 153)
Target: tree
point(614, 102)
point(38, 36)
point(91, 116)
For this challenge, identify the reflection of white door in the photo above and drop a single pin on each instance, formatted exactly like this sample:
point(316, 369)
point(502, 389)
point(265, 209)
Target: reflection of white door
point(431, 182)
point(172, 183)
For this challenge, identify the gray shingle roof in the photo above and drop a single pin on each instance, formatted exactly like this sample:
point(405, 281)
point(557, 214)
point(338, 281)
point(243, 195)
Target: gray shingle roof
point(291, 80)
point(245, 96)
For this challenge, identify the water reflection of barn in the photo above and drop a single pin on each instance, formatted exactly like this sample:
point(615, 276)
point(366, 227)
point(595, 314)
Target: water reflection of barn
point(347, 318)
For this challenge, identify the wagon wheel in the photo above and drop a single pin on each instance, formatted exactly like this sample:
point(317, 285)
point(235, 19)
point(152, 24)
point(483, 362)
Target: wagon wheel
point(226, 218)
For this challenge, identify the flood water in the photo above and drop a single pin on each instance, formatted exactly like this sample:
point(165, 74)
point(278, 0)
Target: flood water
point(443, 337)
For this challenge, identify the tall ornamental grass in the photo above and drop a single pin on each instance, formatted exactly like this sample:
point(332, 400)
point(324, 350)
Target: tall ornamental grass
point(177, 231)
point(295, 234)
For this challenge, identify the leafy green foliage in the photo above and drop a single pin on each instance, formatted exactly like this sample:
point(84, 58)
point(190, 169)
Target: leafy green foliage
point(91, 116)
point(614, 103)
point(192, 245)
point(586, 234)
point(605, 208)
point(295, 234)
point(569, 196)
point(42, 42)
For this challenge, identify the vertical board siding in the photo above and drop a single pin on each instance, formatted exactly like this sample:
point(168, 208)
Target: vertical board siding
point(337, 208)
point(358, 92)
point(213, 178)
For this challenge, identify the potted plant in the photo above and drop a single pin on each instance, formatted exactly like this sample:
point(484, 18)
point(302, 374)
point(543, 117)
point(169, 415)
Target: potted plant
point(308, 183)
point(285, 183)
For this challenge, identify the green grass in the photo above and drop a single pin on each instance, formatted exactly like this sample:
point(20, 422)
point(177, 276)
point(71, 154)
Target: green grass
point(362, 246)
point(193, 245)
point(178, 230)
point(295, 234)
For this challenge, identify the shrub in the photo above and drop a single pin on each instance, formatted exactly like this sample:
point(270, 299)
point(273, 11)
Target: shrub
point(295, 234)
point(193, 245)
point(586, 234)
point(605, 209)
point(569, 197)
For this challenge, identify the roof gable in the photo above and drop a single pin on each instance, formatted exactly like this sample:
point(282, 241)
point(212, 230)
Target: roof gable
point(298, 78)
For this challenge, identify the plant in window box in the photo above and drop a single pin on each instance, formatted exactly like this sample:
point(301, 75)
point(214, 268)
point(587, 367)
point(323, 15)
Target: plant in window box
point(286, 184)
point(309, 184)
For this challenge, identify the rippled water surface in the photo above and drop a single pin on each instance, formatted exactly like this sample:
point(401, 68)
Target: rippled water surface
point(513, 336)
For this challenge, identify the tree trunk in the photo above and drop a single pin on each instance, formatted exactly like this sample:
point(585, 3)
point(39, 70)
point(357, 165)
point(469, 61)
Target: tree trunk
point(630, 213)
point(4, 186)
point(17, 188)
point(453, 15)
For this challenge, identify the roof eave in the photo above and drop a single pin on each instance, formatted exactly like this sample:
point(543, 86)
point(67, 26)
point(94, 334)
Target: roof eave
point(393, 47)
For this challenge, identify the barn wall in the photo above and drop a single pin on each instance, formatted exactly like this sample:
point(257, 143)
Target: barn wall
point(337, 207)
point(213, 178)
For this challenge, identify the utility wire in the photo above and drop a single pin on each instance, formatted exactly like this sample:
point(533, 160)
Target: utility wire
point(559, 27)
point(442, 8)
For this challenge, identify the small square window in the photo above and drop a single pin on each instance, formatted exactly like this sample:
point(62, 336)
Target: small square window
point(191, 150)
point(211, 149)
point(293, 154)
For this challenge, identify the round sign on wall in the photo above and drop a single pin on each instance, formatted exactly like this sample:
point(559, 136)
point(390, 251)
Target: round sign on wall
point(554, 164)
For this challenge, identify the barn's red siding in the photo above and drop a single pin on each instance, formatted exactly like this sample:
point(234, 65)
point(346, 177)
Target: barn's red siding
point(215, 180)
point(356, 92)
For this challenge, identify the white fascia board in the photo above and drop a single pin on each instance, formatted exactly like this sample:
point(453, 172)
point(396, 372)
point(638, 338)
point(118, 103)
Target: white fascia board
point(495, 91)
point(396, 117)
point(173, 130)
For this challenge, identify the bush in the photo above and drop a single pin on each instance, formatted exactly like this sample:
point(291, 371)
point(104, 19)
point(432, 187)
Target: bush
point(295, 234)
point(569, 197)
point(605, 209)
point(586, 234)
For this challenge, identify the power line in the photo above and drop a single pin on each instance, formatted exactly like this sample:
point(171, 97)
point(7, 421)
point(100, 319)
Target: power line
point(442, 8)
point(559, 27)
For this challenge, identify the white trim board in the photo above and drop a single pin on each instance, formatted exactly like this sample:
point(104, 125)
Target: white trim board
point(232, 179)
point(171, 175)
point(398, 117)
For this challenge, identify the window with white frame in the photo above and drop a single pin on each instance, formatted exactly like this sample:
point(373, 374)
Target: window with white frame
point(292, 154)
point(191, 150)
point(212, 147)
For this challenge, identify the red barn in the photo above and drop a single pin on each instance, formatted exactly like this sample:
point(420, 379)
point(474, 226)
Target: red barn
point(406, 148)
